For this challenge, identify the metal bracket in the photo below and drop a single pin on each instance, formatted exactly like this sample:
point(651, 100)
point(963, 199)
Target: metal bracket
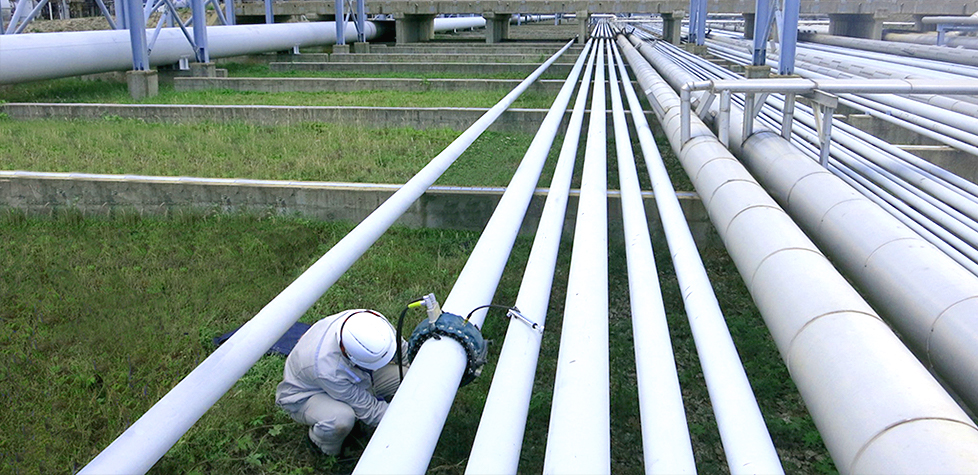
point(752, 107)
point(823, 105)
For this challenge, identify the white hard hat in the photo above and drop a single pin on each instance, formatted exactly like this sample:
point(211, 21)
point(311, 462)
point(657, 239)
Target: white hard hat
point(368, 339)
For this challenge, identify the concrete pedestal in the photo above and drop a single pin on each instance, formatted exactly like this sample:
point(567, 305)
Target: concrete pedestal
point(749, 19)
point(584, 20)
point(143, 84)
point(497, 26)
point(341, 49)
point(410, 28)
point(672, 24)
point(861, 25)
point(361, 47)
point(203, 70)
point(696, 49)
point(757, 72)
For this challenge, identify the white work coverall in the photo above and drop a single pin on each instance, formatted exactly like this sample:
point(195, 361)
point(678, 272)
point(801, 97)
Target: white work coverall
point(323, 389)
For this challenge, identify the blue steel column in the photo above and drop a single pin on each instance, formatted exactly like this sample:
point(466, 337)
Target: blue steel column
point(697, 21)
point(789, 37)
point(340, 24)
point(137, 33)
point(200, 31)
point(269, 18)
point(121, 16)
point(361, 21)
point(762, 27)
point(701, 24)
point(229, 12)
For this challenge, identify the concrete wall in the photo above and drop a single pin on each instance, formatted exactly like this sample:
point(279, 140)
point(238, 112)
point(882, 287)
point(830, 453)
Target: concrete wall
point(440, 207)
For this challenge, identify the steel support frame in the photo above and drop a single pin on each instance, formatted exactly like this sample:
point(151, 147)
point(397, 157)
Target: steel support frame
point(17, 25)
point(788, 36)
point(697, 21)
point(200, 31)
point(340, 23)
point(269, 17)
point(763, 15)
point(813, 94)
point(137, 33)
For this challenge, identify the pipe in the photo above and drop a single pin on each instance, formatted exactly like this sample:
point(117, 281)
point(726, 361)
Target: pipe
point(496, 448)
point(937, 53)
point(579, 435)
point(746, 441)
point(143, 443)
point(950, 41)
point(430, 387)
point(666, 445)
point(896, 417)
point(54, 55)
point(926, 295)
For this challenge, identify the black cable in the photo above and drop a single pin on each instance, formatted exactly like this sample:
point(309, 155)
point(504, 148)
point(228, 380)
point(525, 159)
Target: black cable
point(400, 359)
point(491, 305)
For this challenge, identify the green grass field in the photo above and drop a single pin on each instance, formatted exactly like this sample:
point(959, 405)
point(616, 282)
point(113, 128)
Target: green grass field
point(113, 92)
point(102, 316)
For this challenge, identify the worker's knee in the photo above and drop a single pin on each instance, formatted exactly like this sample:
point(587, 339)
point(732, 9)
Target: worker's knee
point(330, 432)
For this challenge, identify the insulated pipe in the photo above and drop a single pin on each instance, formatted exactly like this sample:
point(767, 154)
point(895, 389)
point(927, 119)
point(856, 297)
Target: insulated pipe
point(950, 41)
point(404, 442)
point(896, 417)
point(579, 435)
point(54, 55)
point(666, 445)
point(496, 448)
point(143, 443)
point(746, 441)
point(927, 296)
point(937, 53)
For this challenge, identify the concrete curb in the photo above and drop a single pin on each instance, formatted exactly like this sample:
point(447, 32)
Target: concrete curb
point(440, 207)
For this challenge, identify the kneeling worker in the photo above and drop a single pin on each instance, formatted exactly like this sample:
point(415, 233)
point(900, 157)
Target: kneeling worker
point(339, 372)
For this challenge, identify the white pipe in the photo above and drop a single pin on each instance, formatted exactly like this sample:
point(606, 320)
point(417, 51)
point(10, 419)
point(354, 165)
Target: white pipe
point(579, 435)
point(496, 448)
point(877, 408)
point(140, 446)
point(54, 55)
point(937, 53)
point(666, 445)
point(746, 441)
point(408, 433)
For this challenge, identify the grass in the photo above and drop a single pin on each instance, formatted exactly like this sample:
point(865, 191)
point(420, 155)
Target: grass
point(309, 151)
point(74, 90)
point(259, 70)
point(102, 316)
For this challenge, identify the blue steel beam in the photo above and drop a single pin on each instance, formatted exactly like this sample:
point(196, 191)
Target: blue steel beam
point(200, 31)
point(269, 17)
point(340, 24)
point(762, 29)
point(133, 10)
point(361, 21)
point(789, 37)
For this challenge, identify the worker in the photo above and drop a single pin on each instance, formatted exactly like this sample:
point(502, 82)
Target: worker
point(339, 372)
